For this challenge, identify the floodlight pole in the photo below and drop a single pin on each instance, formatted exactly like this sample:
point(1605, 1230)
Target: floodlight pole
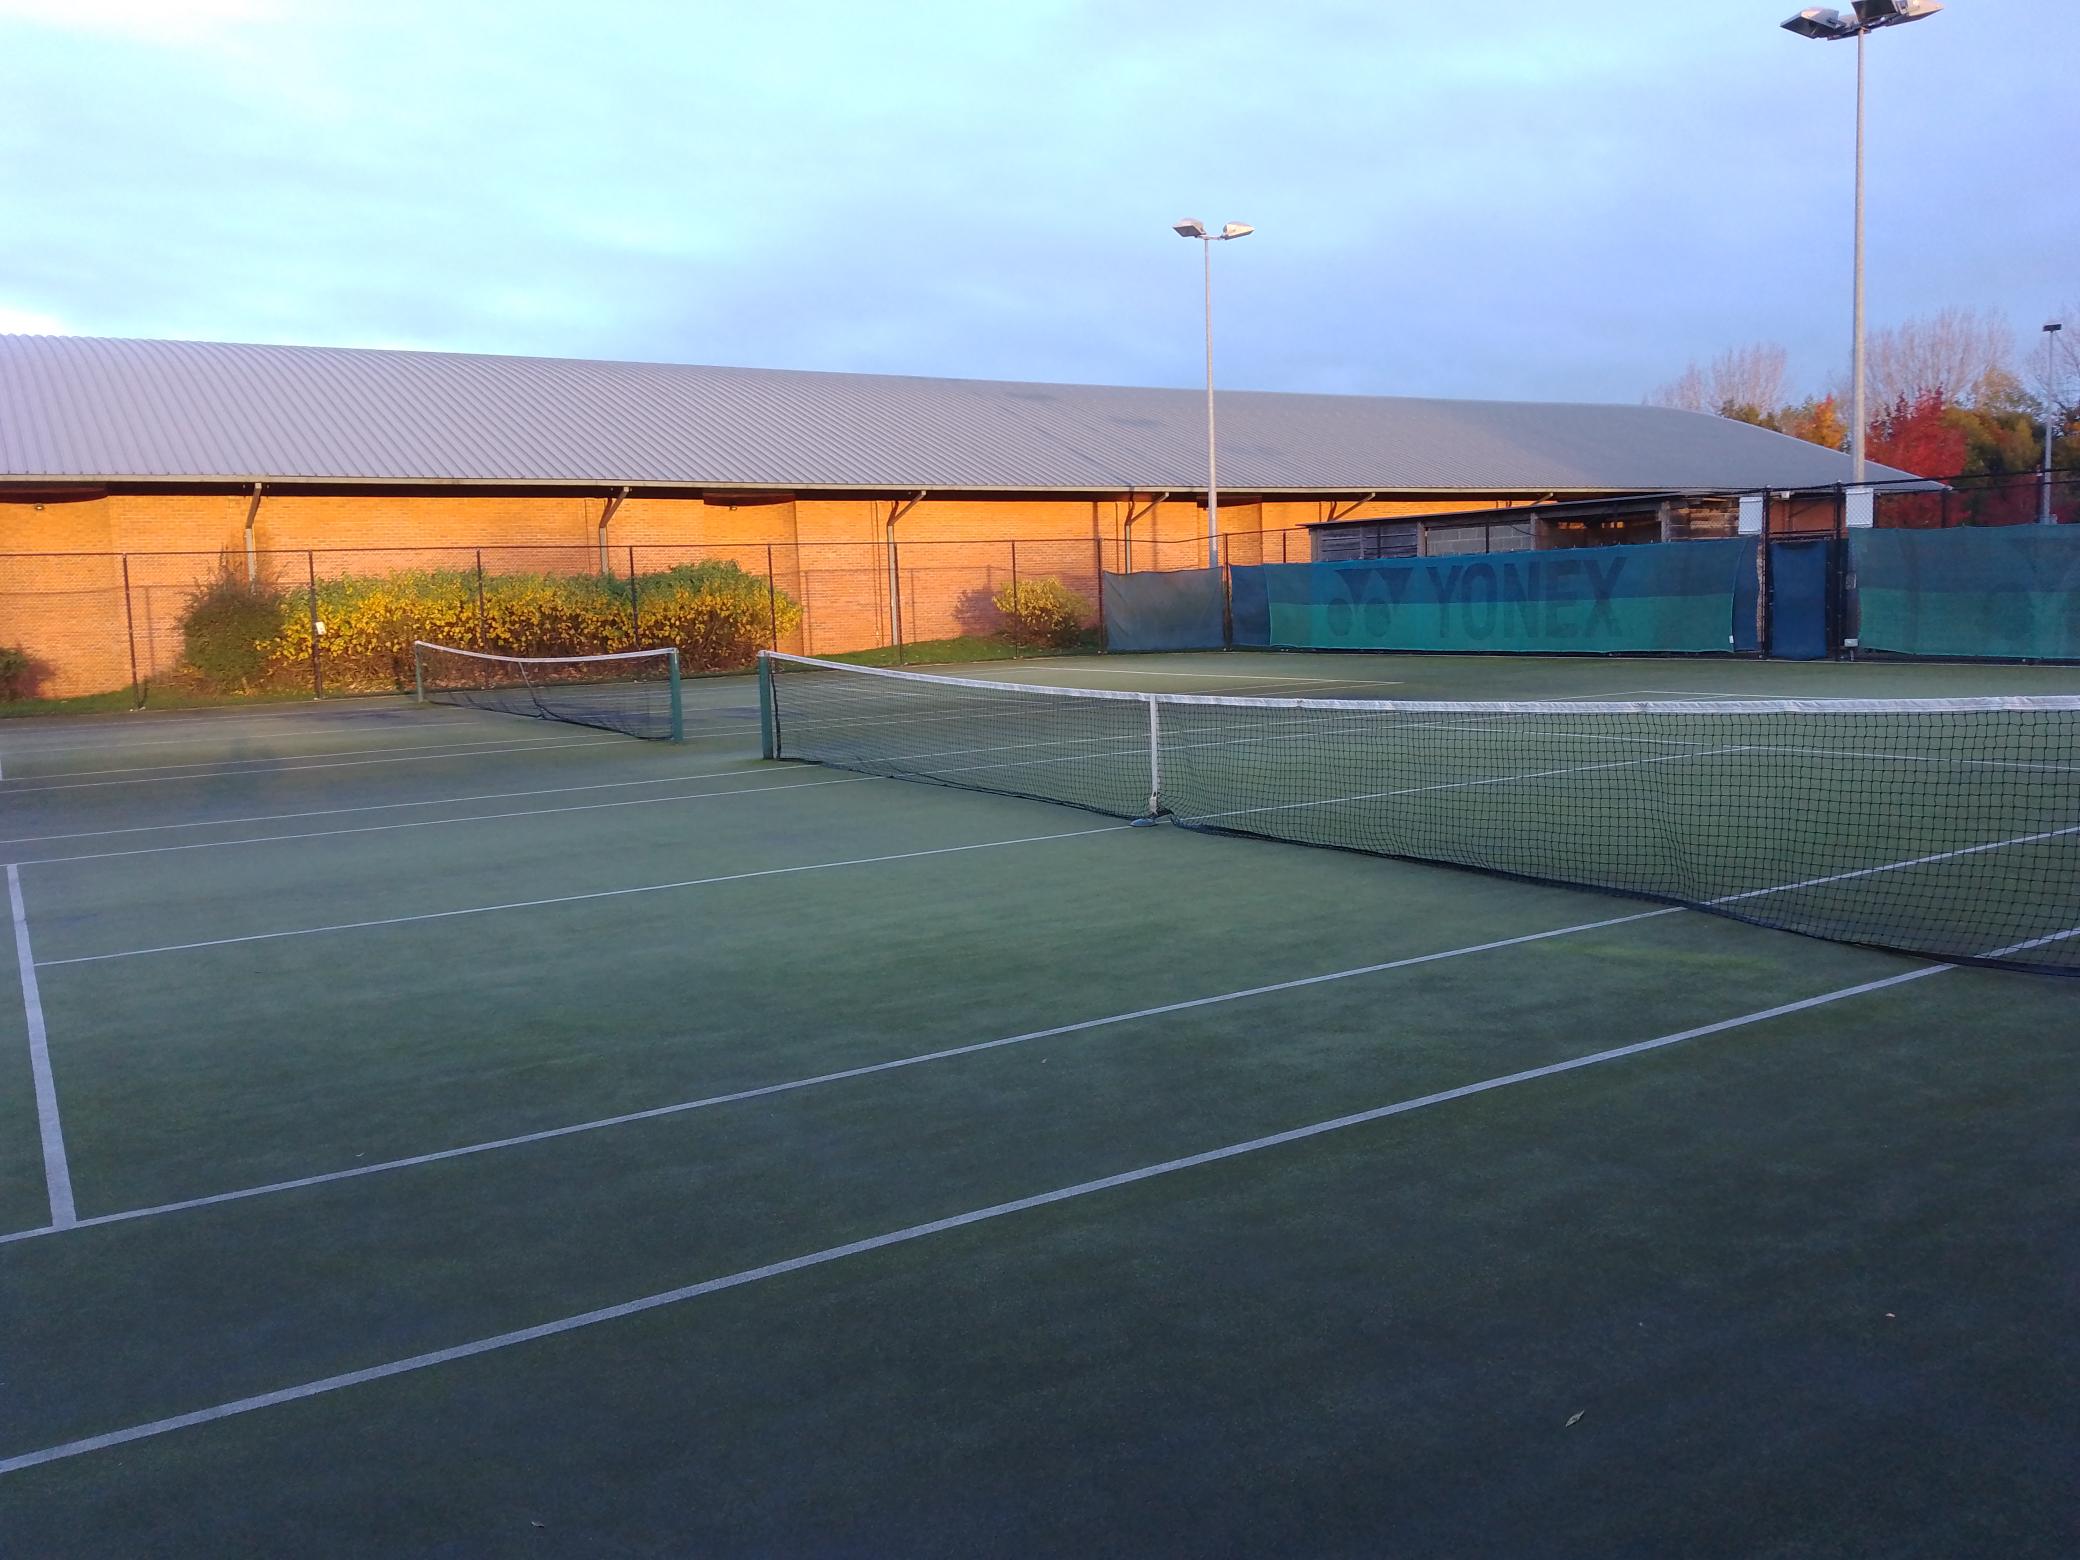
point(1213, 489)
point(1858, 422)
point(1824, 22)
point(2044, 515)
point(1193, 228)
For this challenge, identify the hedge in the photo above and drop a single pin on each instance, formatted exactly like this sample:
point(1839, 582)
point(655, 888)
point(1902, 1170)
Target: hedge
point(240, 637)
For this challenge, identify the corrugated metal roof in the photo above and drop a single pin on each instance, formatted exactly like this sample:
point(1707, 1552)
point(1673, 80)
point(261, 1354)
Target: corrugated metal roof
point(116, 410)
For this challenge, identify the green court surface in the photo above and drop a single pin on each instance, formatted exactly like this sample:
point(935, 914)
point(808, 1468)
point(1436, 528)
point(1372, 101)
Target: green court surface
point(424, 1131)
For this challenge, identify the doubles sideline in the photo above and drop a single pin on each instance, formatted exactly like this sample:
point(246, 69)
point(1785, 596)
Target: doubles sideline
point(57, 1170)
point(915, 1232)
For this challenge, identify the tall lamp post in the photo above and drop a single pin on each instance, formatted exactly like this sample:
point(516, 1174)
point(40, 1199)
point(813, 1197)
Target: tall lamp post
point(1824, 22)
point(2044, 515)
point(1193, 228)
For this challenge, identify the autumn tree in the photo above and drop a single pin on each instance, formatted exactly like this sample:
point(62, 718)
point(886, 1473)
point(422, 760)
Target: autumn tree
point(1917, 435)
point(1746, 383)
point(1962, 356)
point(1817, 421)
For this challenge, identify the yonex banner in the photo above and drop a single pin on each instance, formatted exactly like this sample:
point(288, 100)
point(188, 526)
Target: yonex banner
point(2003, 592)
point(1665, 596)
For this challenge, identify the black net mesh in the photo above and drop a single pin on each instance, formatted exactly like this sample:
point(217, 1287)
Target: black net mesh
point(636, 693)
point(1945, 827)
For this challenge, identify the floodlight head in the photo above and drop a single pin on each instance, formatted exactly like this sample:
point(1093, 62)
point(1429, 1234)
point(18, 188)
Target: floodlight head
point(1237, 230)
point(1822, 21)
point(1191, 227)
point(2054, 327)
point(1890, 13)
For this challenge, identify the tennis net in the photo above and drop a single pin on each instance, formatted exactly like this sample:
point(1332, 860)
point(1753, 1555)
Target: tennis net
point(635, 692)
point(1948, 827)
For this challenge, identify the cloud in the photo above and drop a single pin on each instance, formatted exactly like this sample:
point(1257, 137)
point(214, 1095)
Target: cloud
point(29, 322)
point(1525, 207)
point(167, 22)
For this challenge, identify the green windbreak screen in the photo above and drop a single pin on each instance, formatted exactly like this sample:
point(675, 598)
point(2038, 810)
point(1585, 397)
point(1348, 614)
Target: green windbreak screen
point(1666, 596)
point(2005, 592)
point(1175, 609)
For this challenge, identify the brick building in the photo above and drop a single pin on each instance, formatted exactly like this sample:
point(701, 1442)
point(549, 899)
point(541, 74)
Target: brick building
point(883, 505)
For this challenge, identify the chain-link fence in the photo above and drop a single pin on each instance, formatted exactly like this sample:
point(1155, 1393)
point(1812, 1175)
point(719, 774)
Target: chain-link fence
point(2007, 498)
point(328, 621)
point(332, 621)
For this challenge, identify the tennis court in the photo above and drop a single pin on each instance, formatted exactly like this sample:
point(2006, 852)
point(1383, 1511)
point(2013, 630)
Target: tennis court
point(428, 1131)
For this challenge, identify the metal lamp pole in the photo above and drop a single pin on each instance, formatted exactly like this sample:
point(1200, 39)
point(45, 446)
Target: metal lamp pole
point(1859, 419)
point(2044, 515)
point(1193, 228)
point(1824, 22)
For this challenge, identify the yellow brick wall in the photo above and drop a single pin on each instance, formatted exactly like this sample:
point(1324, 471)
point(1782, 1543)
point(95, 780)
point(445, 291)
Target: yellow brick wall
point(830, 554)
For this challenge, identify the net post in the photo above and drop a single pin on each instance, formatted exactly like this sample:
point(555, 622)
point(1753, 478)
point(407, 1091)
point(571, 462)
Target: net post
point(418, 671)
point(671, 661)
point(768, 716)
point(1155, 757)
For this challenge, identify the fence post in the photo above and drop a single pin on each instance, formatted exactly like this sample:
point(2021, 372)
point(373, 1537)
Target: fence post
point(482, 633)
point(1101, 596)
point(130, 629)
point(1018, 609)
point(895, 592)
point(772, 601)
point(1765, 593)
point(635, 608)
point(310, 567)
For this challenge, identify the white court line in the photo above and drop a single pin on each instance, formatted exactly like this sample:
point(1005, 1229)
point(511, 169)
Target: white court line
point(572, 899)
point(57, 1172)
point(335, 812)
point(437, 823)
point(829, 1254)
point(1464, 785)
point(1306, 729)
point(42, 748)
point(241, 765)
point(123, 744)
point(352, 763)
point(307, 713)
point(793, 1085)
point(1917, 861)
point(1922, 758)
point(1135, 671)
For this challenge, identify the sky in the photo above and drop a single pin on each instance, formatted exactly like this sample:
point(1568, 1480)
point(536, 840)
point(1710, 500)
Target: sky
point(1508, 199)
